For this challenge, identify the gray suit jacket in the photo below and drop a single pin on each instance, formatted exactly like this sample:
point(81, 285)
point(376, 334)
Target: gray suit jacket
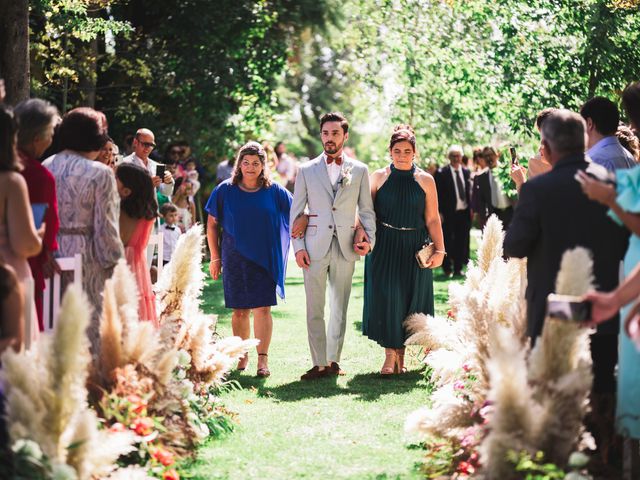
point(326, 213)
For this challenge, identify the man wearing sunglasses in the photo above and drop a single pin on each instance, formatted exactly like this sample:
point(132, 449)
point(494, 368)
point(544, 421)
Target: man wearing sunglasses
point(143, 145)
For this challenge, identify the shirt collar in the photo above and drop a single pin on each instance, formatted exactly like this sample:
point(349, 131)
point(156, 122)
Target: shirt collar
point(603, 142)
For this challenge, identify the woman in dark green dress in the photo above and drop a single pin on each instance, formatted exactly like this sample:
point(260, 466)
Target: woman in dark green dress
point(406, 205)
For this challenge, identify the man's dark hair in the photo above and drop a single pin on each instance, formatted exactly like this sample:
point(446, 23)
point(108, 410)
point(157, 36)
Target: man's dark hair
point(563, 131)
point(542, 115)
point(631, 104)
point(168, 208)
point(603, 113)
point(82, 130)
point(335, 117)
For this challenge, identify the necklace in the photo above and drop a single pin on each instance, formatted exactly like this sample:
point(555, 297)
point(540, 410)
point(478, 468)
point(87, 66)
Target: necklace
point(249, 190)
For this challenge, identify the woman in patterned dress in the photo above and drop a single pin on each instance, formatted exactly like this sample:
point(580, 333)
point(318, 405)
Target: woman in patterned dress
point(88, 205)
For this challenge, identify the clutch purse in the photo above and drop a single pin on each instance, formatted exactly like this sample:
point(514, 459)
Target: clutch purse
point(424, 254)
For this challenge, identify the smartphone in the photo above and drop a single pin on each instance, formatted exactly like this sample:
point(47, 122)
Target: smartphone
point(160, 171)
point(514, 155)
point(39, 211)
point(568, 307)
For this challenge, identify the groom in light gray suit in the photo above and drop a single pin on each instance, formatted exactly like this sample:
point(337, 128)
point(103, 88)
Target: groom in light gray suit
point(335, 190)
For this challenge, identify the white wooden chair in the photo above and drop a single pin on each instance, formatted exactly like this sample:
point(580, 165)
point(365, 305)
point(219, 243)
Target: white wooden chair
point(52, 289)
point(155, 241)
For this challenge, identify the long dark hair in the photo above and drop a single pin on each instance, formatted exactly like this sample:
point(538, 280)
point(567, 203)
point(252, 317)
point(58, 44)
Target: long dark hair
point(141, 203)
point(8, 154)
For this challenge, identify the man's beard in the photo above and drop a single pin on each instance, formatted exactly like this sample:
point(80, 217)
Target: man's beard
point(333, 149)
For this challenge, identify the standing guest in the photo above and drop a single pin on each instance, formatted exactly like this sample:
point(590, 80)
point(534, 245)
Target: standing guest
point(553, 216)
point(287, 166)
point(143, 145)
point(36, 119)
point(333, 187)
point(88, 206)
point(138, 212)
point(602, 118)
point(480, 189)
point(500, 205)
point(631, 104)
point(406, 206)
point(19, 239)
point(107, 154)
point(224, 171)
point(170, 231)
point(172, 158)
point(254, 216)
point(128, 144)
point(454, 199)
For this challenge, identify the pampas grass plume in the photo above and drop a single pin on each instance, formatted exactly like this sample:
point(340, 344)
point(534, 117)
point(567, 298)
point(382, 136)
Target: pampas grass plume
point(491, 244)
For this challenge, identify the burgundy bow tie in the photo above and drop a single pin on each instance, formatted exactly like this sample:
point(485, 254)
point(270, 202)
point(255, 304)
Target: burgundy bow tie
point(330, 160)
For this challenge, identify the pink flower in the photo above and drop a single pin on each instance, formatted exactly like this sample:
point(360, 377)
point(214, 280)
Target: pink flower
point(143, 426)
point(170, 475)
point(469, 437)
point(465, 468)
point(138, 405)
point(458, 385)
point(466, 367)
point(162, 455)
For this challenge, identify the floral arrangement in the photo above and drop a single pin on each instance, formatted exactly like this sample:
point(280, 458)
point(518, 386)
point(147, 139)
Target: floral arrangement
point(493, 395)
point(143, 402)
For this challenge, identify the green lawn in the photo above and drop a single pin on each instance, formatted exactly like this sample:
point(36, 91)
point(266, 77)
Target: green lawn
point(350, 427)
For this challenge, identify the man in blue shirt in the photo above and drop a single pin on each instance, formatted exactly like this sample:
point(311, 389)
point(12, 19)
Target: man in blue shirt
point(602, 118)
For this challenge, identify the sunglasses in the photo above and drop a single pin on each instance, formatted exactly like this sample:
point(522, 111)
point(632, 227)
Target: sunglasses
point(147, 144)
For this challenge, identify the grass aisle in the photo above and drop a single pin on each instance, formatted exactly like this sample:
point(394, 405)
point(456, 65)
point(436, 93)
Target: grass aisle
point(351, 427)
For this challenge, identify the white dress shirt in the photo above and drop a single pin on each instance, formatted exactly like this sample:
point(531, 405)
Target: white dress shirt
point(165, 188)
point(333, 169)
point(169, 240)
point(460, 204)
point(498, 198)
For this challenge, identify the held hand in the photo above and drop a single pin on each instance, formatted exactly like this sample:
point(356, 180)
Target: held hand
point(436, 260)
point(603, 307)
point(300, 226)
point(156, 181)
point(360, 236)
point(168, 178)
point(215, 268)
point(362, 248)
point(596, 190)
point(302, 259)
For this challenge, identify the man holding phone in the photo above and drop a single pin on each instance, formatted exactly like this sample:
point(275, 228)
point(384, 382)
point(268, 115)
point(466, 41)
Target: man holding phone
point(143, 145)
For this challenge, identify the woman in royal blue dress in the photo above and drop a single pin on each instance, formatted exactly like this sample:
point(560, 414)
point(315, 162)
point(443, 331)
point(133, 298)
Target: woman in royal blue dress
point(252, 215)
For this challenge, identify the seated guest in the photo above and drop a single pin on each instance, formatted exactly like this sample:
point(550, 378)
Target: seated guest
point(36, 119)
point(138, 213)
point(602, 118)
point(88, 206)
point(19, 239)
point(170, 231)
point(552, 216)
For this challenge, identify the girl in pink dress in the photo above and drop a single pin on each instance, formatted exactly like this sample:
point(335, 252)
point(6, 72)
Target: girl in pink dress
point(138, 212)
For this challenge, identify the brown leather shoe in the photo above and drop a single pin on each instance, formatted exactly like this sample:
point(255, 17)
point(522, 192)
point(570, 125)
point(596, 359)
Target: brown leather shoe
point(334, 369)
point(314, 373)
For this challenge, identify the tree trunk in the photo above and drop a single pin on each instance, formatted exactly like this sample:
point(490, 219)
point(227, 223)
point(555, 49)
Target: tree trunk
point(14, 49)
point(89, 72)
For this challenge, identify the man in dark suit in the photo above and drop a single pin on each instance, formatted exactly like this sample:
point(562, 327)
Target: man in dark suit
point(552, 216)
point(454, 198)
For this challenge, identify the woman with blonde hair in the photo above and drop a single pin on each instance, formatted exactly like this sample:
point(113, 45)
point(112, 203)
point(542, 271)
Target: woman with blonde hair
point(252, 251)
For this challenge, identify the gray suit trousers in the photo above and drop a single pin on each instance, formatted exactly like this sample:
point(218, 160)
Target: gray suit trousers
point(326, 343)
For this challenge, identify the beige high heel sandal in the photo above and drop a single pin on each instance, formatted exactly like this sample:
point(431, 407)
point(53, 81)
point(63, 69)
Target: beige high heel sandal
point(399, 366)
point(390, 357)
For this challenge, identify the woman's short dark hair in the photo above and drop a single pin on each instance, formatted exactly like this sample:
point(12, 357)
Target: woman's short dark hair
point(628, 140)
point(142, 202)
point(631, 104)
point(8, 128)
point(403, 133)
point(34, 116)
point(335, 117)
point(82, 129)
point(251, 148)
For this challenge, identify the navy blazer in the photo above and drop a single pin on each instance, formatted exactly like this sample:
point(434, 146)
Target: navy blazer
point(554, 215)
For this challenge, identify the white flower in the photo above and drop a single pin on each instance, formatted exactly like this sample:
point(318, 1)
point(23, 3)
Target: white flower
point(28, 447)
point(184, 359)
point(62, 471)
point(346, 175)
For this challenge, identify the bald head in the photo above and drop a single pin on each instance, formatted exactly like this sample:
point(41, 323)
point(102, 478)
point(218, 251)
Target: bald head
point(144, 143)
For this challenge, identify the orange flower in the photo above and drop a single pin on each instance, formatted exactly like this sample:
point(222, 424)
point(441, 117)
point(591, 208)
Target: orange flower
point(170, 475)
point(138, 405)
point(143, 426)
point(162, 455)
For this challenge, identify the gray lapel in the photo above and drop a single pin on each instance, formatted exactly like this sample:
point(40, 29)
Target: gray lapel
point(323, 176)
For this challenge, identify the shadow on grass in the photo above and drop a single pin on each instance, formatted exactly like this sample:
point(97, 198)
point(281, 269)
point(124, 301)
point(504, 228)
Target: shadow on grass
point(370, 387)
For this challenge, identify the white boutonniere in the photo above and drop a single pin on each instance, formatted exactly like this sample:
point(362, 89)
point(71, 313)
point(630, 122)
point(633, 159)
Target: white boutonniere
point(346, 175)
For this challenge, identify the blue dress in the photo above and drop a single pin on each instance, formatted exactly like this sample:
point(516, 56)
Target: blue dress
point(628, 401)
point(255, 242)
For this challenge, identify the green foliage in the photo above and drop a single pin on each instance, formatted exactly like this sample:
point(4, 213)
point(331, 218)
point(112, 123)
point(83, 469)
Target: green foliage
point(534, 467)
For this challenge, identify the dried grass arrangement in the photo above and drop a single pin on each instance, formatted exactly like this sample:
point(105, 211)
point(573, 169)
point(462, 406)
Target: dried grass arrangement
point(494, 397)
